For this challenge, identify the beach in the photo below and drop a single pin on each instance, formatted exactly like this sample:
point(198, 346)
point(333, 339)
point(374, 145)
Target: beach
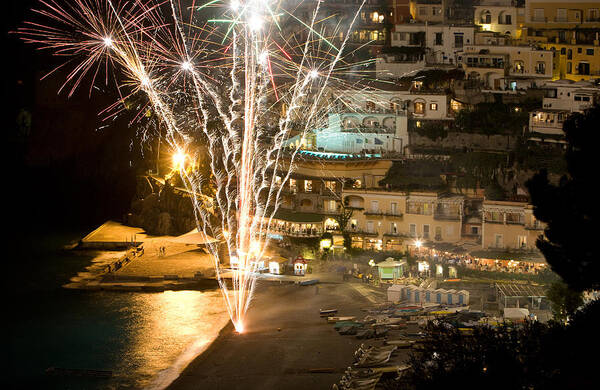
point(284, 342)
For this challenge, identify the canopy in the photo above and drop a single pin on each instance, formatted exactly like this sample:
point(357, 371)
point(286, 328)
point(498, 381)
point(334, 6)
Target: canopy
point(194, 237)
point(389, 262)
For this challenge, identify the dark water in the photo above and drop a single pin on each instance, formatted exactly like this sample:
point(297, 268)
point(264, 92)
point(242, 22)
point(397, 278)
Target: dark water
point(144, 338)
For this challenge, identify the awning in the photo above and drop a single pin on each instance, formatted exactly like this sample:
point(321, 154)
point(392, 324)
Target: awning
point(194, 237)
point(529, 256)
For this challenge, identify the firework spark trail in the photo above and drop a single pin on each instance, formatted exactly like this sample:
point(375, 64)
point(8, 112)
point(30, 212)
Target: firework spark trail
point(181, 68)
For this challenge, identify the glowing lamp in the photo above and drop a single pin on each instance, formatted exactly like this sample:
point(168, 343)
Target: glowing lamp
point(325, 244)
point(418, 243)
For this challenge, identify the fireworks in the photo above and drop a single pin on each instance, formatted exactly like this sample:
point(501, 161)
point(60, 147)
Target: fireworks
point(236, 82)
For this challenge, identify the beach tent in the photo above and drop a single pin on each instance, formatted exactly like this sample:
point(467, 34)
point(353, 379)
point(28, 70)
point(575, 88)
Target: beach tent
point(418, 295)
point(277, 265)
point(394, 293)
point(391, 269)
point(451, 297)
point(194, 237)
point(440, 296)
point(430, 295)
point(300, 266)
point(404, 290)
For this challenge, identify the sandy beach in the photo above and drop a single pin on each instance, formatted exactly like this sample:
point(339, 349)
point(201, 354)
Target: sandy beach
point(284, 340)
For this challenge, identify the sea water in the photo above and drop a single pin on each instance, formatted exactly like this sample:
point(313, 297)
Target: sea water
point(145, 339)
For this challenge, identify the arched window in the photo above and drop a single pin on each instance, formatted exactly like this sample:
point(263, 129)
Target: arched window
point(486, 17)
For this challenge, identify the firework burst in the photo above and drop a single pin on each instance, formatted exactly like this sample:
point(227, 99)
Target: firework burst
point(237, 82)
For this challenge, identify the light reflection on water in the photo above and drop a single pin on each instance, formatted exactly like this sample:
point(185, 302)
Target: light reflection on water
point(146, 339)
point(167, 331)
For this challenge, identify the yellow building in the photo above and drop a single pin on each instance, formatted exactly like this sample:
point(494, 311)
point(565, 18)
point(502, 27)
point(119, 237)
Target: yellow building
point(389, 220)
point(311, 195)
point(430, 11)
point(509, 226)
point(562, 14)
point(574, 61)
point(571, 30)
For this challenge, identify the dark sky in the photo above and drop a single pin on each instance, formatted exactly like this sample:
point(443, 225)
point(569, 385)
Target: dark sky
point(69, 167)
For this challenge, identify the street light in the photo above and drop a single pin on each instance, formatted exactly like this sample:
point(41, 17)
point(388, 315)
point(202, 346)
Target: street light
point(418, 244)
point(325, 244)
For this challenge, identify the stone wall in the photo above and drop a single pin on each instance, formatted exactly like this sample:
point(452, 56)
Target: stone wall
point(460, 141)
point(161, 209)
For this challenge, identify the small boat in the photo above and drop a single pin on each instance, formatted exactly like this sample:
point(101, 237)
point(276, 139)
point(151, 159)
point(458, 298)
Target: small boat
point(327, 312)
point(342, 324)
point(340, 319)
point(308, 282)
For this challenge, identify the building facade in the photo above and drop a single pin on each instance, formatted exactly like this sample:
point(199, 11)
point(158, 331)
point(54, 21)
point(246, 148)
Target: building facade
point(561, 98)
point(500, 16)
point(509, 226)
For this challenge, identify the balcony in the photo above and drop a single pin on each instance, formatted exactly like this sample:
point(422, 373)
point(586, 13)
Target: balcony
point(496, 221)
point(535, 226)
point(379, 213)
point(446, 217)
point(392, 234)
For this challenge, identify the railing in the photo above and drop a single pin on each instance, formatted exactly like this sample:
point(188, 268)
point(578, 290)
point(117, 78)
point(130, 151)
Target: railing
point(535, 226)
point(508, 222)
point(383, 213)
point(446, 217)
point(500, 222)
point(561, 19)
point(392, 234)
point(539, 19)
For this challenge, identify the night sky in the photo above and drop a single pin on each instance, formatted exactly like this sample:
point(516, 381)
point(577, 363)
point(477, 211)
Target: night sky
point(69, 167)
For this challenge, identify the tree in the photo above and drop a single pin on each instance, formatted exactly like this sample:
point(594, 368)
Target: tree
point(564, 300)
point(570, 209)
point(342, 218)
point(494, 191)
point(531, 356)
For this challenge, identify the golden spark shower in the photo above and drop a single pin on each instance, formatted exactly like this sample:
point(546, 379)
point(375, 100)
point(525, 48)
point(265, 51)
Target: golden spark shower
point(238, 77)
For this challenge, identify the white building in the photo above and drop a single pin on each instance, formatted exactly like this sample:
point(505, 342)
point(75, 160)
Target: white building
point(507, 67)
point(569, 95)
point(501, 16)
point(561, 98)
point(421, 45)
point(364, 132)
point(421, 106)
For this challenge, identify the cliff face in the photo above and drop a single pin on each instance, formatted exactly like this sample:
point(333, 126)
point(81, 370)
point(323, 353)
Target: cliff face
point(160, 209)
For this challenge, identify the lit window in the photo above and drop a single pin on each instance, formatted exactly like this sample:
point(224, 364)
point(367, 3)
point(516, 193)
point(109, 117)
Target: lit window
point(308, 185)
point(419, 108)
point(433, 106)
